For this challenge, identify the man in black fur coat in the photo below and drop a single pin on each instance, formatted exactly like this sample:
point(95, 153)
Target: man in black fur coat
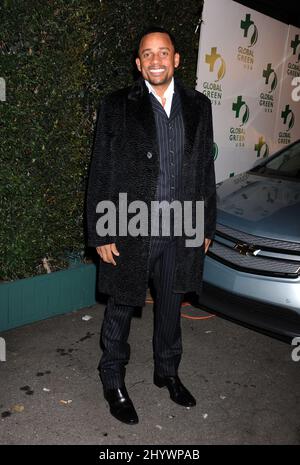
point(153, 142)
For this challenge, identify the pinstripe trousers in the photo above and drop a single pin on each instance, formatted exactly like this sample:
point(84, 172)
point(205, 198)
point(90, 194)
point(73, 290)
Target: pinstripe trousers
point(167, 344)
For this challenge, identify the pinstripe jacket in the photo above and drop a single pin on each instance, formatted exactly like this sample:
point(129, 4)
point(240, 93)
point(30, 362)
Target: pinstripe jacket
point(126, 160)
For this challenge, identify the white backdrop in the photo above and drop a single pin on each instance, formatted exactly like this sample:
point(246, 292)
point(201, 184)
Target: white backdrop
point(245, 66)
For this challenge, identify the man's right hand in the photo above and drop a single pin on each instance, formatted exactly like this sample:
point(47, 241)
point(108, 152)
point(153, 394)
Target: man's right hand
point(106, 252)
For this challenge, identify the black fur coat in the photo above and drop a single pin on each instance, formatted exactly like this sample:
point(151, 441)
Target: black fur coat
point(125, 134)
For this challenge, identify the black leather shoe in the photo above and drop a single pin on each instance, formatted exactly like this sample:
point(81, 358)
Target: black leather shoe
point(178, 393)
point(121, 406)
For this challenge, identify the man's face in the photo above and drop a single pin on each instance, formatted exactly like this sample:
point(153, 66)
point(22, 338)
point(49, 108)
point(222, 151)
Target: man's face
point(157, 59)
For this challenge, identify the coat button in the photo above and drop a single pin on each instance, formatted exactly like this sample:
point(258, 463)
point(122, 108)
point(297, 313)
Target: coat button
point(149, 154)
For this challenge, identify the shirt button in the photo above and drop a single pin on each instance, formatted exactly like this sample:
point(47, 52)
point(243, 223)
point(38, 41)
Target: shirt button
point(149, 154)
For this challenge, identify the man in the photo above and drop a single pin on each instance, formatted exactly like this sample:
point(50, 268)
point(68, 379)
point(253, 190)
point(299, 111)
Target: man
point(153, 141)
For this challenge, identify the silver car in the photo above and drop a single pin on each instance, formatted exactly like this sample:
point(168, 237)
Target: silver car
point(252, 270)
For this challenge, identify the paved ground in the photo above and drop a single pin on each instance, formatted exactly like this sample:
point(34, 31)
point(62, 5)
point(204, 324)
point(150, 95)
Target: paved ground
point(246, 385)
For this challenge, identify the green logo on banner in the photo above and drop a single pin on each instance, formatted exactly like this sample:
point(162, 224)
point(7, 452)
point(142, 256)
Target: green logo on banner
point(261, 148)
point(288, 117)
point(246, 25)
point(285, 137)
point(215, 151)
point(294, 45)
point(211, 60)
point(270, 77)
point(237, 108)
point(245, 54)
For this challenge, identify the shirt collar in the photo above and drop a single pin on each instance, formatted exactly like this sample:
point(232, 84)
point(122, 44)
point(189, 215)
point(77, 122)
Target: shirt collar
point(168, 92)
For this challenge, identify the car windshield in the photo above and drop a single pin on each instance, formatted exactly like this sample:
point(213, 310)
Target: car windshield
point(286, 164)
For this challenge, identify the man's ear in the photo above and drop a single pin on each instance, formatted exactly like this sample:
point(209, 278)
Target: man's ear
point(138, 63)
point(176, 60)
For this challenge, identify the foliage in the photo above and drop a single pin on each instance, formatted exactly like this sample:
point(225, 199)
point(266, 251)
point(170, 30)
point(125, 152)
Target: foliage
point(58, 58)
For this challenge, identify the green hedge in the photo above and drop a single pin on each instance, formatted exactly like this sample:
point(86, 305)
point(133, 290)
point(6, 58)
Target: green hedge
point(58, 58)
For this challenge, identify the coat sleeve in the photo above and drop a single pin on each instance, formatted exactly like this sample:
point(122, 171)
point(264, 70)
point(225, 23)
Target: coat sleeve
point(100, 177)
point(210, 181)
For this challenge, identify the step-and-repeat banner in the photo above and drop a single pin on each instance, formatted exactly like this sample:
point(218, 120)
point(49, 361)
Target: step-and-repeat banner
point(246, 65)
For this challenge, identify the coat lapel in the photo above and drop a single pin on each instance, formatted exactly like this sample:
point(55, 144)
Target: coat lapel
point(190, 112)
point(140, 108)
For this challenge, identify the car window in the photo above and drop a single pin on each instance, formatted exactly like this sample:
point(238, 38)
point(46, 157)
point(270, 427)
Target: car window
point(287, 163)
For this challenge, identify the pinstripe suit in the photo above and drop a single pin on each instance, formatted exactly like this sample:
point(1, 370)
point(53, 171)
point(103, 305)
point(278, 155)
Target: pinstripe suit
point(167, 345)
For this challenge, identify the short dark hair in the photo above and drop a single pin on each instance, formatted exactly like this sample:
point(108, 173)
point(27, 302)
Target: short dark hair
point(151, 30)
